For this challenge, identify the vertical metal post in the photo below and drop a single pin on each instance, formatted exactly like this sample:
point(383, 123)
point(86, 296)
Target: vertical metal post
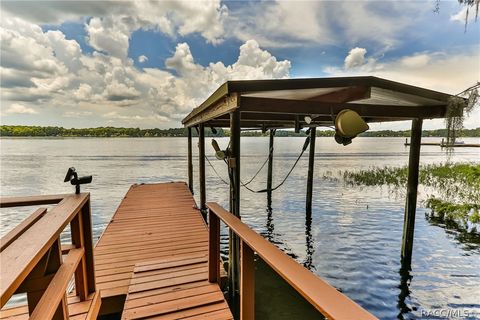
point(412, 187)
point(201, 171)
point(270, 169)
point(234, 244)
point(311, 161)
point(190, 160)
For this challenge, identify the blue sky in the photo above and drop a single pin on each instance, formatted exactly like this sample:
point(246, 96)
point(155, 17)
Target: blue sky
point(147, 64)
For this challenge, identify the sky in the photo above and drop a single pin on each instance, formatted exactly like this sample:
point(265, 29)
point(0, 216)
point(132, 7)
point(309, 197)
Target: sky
point(147, 64)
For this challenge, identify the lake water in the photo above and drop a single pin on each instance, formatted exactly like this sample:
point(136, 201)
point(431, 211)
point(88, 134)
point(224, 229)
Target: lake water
point(353, 239)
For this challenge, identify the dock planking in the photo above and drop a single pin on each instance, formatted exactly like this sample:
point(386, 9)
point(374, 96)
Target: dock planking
point(155, 251)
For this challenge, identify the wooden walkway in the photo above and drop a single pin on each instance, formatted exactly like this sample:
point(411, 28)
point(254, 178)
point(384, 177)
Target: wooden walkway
point(154, 253)
point(158, 232)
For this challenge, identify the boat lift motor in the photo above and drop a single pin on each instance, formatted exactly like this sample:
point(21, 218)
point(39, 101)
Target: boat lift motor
point(72, 176)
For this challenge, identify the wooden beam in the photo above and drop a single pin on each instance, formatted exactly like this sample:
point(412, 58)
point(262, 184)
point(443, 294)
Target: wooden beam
point(213, 248)
point(223, 106)
point(201, 168)
point(412, 189)
point(247, 283)
point(311, 163)
point(269, 105)
point(81, 285)
point(7, 202)
point(86, 216)
point(16, 232)
point(47, 307)
point(190, 160)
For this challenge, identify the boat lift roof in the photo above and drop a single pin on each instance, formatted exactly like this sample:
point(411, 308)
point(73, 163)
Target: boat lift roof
point(284, 103)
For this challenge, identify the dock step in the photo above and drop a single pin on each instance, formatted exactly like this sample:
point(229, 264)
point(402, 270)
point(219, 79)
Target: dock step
point(174, 288)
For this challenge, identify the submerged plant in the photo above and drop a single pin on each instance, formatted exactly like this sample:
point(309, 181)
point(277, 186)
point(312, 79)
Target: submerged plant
point(456, 187)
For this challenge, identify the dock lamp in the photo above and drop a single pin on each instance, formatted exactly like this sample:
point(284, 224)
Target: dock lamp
point(219, 154)
point(348, 124)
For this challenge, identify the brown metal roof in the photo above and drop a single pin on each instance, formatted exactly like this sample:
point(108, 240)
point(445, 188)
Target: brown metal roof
point(283, 103)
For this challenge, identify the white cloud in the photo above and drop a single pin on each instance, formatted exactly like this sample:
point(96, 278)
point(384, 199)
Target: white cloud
point(355, 58)
point(20, 109)
point(440, 71)
point(56, 75)
point(461, 16)
point(307, 23)
point(142, 58)
point(77, 114)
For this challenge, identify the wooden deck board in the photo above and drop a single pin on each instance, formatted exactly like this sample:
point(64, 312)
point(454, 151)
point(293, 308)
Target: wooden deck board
point(155, 251)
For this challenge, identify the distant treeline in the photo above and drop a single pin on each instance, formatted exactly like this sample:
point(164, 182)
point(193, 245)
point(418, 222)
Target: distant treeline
point(36, 131)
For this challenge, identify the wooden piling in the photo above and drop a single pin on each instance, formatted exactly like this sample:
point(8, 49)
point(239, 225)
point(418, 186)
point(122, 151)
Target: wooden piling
point(270, 168)
point(311, 162)
point(234, 244)
point(412, 187)
point(201, 170)
point(190, 160)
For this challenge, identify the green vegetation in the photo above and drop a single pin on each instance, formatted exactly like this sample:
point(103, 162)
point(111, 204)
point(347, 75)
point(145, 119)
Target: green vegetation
point(456, 187)
point(37, 131)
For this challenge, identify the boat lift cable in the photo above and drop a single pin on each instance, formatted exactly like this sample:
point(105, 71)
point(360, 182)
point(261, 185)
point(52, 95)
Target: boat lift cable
point(305, 145)
point(249, 181)
point(263, 165)
point(216, 172)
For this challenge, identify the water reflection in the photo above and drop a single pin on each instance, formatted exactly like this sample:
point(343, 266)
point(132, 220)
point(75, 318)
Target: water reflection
point(308, 262)
point(405, 280)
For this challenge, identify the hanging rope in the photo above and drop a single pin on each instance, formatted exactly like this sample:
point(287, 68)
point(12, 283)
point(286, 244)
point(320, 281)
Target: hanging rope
point(249, 181)
point(214, 170)
point(263, 165)
point(305, 145)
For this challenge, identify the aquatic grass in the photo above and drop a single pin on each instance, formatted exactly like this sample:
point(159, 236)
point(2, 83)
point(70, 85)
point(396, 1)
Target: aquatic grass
point(455, 186)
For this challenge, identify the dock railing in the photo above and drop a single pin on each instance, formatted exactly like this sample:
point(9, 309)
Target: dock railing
point(321, 295)
point(31, 257)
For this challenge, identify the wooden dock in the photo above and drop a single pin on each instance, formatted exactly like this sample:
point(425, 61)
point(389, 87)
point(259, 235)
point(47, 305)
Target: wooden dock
point(158, 232)
point(151, 261)
point(157, 259)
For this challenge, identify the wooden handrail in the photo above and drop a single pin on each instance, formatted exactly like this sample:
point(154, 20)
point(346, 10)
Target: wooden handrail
point(54, 293)
point(31, 255)
point(7, 202)
point(16, 232)
point(321, 295)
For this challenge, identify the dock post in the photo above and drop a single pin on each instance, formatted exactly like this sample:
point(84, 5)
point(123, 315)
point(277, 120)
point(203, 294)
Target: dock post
point(201, 171)
point(311, 161)
point(270, 169)
point(234, 243)
point(190, 161)
point(412, 187)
